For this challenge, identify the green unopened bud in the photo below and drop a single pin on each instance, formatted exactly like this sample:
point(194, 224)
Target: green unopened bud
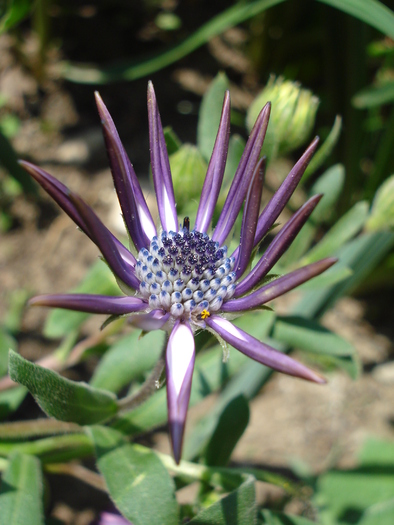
point(382, 212)
point(292, 115)
point(188, 170)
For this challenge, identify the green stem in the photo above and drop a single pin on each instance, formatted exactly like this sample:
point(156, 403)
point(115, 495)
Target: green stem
point(36, 427)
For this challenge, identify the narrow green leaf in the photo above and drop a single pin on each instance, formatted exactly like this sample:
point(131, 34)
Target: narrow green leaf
point(173, 142)
point(231, 425)
point(330, 183)
point(373, 96)
point(61, 398)
point(209, 116)
point(127, 360)
point(136, 479)
point(374, 13)
point(132, 70)
point(98, 280)
point(236, 147)
point(309, 335)
point(21, 492)
point(238, 508)
point(361, 255)
point(16, 11)
point(325, 149)
point(342, 231)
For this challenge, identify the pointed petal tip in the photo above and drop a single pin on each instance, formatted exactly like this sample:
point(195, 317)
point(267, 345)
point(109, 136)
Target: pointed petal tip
point(176, 435)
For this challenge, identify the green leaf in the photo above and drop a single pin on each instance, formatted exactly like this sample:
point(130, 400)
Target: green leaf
point(374, 13)
point(61, 398)
point(361, 255)
point(342, 231)
point(238, 508)
point(136, 479)
point(6, 343)
point(330, 183)
point(98, 280)
point(173, 142)
point(21, 492)
point(279, 518)
point(127, 360)
point(209, 116)
point(10, 400)
point(231, 425)
point(9, 159)
point(382, 213)
point(236, 148)
point(373, 96)
point(325, 149)
point(16, 11)
point(236, 14)
point(309, 335)
point(188, 169)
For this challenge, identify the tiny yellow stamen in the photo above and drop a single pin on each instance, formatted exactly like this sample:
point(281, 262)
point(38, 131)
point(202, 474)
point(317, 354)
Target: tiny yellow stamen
point(205, 314)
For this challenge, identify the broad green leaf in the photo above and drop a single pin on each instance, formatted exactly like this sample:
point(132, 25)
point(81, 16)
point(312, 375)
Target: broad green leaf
point(374, 13)
point(374, 96)
point(137, 481)
point(209, 116)
point(7, 342)
point(337, 273)
point(342, 231)
point(377, 452)
point(127, 360)
point(236, 14)
point(270, 517)
point(231, 425)
point(238, 508)
point(21, 492)
point(309, 335)
point(98, 280)
point(61, 398)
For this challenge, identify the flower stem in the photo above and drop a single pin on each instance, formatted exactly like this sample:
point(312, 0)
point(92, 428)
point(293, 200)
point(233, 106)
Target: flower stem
point(148, 388)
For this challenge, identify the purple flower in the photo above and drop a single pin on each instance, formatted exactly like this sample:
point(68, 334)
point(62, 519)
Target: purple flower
point(184, 280)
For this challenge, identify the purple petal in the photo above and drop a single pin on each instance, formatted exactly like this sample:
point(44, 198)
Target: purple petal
point(61, 195)
point(179, 370)
point(275, 206)
point(93, 304)
point(279, 286)
point(250, 216)
point(242, 177)
point(109, 518)
point(104, 240)
point(215, 172)
point(161, 166)
point(154, 320)
point(259, 351)
point(277, 247)
point(136, 214)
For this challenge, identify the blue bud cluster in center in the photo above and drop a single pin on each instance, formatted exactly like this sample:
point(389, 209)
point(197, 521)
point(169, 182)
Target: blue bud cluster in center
point(185, 273)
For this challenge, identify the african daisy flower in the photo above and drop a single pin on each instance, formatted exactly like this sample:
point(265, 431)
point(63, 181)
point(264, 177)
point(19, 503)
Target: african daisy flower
point(183, 280)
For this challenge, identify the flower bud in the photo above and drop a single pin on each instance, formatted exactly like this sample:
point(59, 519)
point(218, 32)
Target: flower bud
point(292, 115)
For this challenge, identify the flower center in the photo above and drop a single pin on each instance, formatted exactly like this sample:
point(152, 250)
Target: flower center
point(186, 274)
